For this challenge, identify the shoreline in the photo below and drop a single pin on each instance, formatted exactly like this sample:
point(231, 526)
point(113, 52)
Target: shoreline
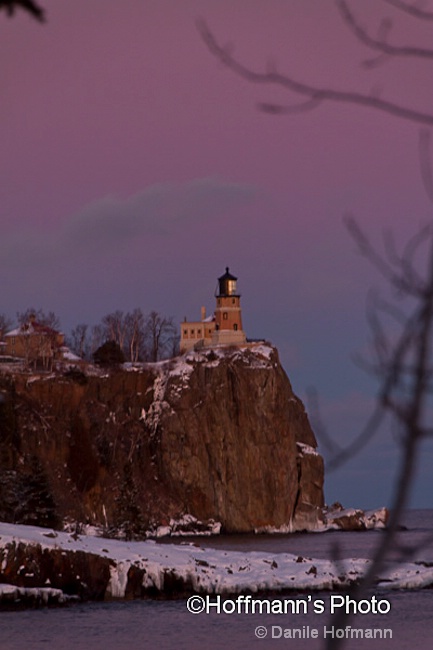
point(95, 568)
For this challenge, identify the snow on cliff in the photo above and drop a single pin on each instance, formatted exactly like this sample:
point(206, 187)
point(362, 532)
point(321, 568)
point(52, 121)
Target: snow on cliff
point(208, 570)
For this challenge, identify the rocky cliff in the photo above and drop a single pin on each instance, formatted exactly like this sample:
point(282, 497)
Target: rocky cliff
point(217, 434)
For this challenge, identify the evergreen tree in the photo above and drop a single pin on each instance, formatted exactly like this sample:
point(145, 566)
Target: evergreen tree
point(129, 516)
point(109, 354)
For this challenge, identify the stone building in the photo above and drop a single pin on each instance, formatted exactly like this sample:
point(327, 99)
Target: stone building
point(36, 343)
point(223, 327)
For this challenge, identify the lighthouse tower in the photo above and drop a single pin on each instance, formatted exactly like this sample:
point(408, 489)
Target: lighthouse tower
point(228, 316)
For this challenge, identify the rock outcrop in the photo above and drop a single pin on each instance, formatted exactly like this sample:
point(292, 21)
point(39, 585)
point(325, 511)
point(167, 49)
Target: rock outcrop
point(39, 566)
point(217, 434)
point(338, 518)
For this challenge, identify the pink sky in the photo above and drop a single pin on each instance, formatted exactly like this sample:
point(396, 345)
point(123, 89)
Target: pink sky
point(135, 167)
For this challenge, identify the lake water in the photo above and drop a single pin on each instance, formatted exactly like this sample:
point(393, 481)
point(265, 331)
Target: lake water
point(167, 625)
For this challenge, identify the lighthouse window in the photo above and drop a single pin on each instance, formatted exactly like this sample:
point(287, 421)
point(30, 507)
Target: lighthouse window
point(225, 315)
point(233, 301)
point(198, 332)
point(235, 327)
point(185, 332)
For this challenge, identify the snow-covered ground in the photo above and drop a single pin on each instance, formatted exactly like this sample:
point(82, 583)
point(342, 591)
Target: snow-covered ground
point(39, 595)
point(212, 570)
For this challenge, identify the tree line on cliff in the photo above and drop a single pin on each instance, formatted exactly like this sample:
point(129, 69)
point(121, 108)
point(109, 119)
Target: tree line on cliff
point(139, 336)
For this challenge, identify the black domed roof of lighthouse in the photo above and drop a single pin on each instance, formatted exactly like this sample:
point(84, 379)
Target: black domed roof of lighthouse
point(227, 285)
point(227, 276)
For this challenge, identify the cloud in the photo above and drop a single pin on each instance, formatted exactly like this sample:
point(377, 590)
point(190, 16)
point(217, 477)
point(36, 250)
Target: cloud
point(159, 210)
point(111, 223)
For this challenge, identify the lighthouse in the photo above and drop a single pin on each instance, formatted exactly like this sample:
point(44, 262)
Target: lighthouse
point(228, 308)
point(228, 315)
point(223, 327)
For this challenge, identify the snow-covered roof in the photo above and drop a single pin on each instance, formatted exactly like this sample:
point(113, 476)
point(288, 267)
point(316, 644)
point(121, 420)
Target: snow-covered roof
point(16, 332)
point(32, 327)
point(68, 355)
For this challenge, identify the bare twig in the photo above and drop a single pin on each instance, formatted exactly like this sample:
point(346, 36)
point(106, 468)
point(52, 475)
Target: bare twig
point(399, 272)
point(411, 9)
point(426, 162)
point(379, 44)
point(404, 367)
point(309, 105)
point(314, 94)
point(318, 425)
point(368, 432)
point(403, 394)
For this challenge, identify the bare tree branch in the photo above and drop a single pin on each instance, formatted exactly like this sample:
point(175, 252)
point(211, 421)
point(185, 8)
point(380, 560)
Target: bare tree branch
point(411, 9)
point(405, 264)
point(309, 105)
point(28, 5)
point(398, 271)
point(361, 441)
point(379, 44)
point(403, 362)
point(425, 160)
point(406, 374)
point(318, 425)
point(393, 364)
point(313, 93)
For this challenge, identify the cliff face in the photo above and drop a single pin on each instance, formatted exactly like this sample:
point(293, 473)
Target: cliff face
point(216, 434)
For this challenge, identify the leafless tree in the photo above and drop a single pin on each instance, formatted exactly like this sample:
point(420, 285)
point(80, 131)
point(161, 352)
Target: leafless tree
point(127, 330)
point(140, 337)
point(403, 364)
point(5, 325)
point(159, 331)
point(135, 334)
point(48, 319)
point(78, 341)
point(173, 345)
point(115, 327)
point(97, 338)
